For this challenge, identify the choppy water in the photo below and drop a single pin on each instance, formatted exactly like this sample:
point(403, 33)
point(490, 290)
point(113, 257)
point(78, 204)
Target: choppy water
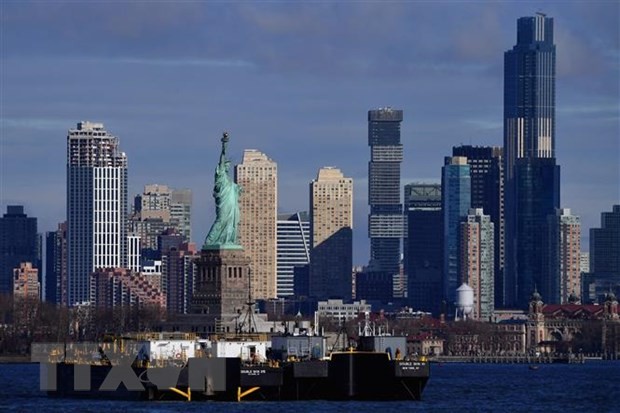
point(592, 387)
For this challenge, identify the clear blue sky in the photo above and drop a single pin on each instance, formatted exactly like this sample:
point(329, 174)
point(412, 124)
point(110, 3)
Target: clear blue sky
point(294, 80)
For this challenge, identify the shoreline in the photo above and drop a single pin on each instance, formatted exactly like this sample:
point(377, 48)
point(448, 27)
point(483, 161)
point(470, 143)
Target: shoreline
point(15, 360)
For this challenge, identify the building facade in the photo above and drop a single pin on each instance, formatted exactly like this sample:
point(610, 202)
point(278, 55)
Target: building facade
point(56, 265)
point(477, 261)
point(424, 246)
point(564, 256)
point(96, 206)
point(537, 195)
point(120, 287)
point(531, 174)
point(487, 192)
point(26, 285)
point(385, 221)
point(258, 204)
point(331, 235)
point(293, 249)
point(18, 243)
point(456, 201)
point(178, 277)
point(604, 268)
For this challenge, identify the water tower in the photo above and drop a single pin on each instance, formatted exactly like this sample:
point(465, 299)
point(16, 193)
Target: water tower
point(464, 302)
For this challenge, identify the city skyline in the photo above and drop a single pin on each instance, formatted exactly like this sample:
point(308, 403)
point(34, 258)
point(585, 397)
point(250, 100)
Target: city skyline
point(169, 98)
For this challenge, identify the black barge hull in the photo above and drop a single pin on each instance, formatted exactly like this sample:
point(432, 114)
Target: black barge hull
point(345, 376)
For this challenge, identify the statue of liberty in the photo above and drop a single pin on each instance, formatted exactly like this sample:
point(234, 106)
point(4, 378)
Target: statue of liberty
point(223, 232)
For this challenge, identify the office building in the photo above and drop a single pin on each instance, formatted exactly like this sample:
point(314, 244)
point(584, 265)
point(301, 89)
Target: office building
point(258, 205)
point(604, 274)
point(120, 287)
point(385, 221)
point(156, 210)
point(424, 246)
point(537, 195)
point(56, 265)
point(477, 261)
point(96, 206)
point(331, 235)
point(531, 174)
point(564, 274)
point(293, 249)
point(487, 192)
point(456, 201)
point(18, 243)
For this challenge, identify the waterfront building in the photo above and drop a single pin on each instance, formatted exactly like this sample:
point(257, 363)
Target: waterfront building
point(564, 256)
point(18, 243)
point(487, 192)
point(531, 174)
point(423, 246)
point(456, 201)
point(56, 265)
point(293, 249)
point(96, 206)
point(258, 205)
point(331, 235)
point(477, 261)
point(385, 221)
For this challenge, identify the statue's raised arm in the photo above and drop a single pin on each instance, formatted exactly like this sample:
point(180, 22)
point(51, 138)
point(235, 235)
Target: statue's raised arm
point(223, 232)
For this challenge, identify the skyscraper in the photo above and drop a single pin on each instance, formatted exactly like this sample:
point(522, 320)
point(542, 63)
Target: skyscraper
point(487, 192)
point(604, 258)
point(477, 261)
point(18, 243)
point(96, 206)
point(56, 265)
point(331, 235)
point(532, 177)
point(293, 249)
point(529, 93)
point(456, 201)
point(564, 256)
point(423, 252)
point(385, 222)
point(258, 177)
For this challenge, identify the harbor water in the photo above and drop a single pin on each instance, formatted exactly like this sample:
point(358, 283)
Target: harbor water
point(589, 387)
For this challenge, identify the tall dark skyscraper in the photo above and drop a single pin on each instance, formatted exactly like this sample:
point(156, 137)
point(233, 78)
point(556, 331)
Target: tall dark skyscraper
point(56, 265)
point(385, 222)
point(19, 243)
point(96, 207)
point(532, 177)
point(487, 192)
point(604, 258)
point(423, 251)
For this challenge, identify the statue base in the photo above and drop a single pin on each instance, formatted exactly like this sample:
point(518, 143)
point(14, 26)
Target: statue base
point(222, 281)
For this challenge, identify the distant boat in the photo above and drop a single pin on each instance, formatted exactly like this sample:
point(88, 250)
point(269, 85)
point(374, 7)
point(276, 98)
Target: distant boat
point(533, 367)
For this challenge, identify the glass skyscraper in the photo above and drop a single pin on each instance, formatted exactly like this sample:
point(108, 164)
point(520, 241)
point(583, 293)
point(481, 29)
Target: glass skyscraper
point(385, 222)
point(96, 207)
point(423, 246)
point(532, 177)
point(456, 201)
point(293, 249)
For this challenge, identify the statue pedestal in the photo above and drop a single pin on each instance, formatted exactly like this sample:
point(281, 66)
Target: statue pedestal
point(222, 283)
